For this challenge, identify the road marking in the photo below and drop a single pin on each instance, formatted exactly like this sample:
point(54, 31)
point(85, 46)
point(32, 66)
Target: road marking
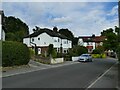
point(100, 77)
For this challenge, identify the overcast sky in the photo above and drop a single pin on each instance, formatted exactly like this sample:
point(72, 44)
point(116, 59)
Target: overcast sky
point(81, 18)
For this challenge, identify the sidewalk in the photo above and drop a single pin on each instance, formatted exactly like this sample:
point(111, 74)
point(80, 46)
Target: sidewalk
point(107, 80)
point(32, 66)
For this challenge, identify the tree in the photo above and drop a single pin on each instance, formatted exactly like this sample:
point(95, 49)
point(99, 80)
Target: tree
point(111, 43)
point(75, 41)
point(16, 27)
point(66, 32)
point(113, 40)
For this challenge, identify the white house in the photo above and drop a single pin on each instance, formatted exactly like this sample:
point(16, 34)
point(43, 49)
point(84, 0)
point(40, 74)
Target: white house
point(91, 42)
point(2, 32)
point(44, 37)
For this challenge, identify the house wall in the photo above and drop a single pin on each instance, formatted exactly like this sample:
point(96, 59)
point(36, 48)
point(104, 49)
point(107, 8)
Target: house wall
point(86, 44)
point(64, 43)
point(42, 40)
point(80, 42)
point(27, 41)
point(57, 42)
point(3, 35)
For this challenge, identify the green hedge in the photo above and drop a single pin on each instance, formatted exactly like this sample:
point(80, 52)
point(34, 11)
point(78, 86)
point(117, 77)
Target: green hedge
point(14, 53)
point(98, 55)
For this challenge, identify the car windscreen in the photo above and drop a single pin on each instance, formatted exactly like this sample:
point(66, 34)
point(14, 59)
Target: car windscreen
point(85, 55)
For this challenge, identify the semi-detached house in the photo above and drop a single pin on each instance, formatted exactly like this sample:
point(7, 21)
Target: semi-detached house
point(91, 42)
point(44, 37)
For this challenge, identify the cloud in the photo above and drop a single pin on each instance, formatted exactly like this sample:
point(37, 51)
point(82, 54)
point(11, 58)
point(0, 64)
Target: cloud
point(62, 20)
point(114, 11)
point(83, 18)
point(60, 0)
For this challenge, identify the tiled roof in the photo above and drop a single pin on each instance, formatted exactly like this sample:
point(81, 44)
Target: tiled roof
point(93, 39)
point(49, 32)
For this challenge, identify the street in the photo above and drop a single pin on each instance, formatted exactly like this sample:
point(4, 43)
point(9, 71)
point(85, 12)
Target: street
point(78, 75)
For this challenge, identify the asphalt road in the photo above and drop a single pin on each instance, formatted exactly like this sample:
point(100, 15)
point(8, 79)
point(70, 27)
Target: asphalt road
point(79, 75)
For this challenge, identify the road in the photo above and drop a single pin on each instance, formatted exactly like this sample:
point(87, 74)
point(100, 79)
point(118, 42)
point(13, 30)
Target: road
point(79, 75)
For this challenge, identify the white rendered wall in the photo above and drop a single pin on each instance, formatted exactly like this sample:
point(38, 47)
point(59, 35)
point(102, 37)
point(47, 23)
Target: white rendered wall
point(45, 40)
point(27, 41)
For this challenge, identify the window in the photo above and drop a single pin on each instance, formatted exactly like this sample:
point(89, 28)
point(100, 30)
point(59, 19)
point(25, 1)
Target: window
point(89, 43)
point(55, 40)
point(64, 51)
point(38, 38)
point(58, 40)
point(67, 41)
point(32, 39)
point(64, 42)
point(58, 50)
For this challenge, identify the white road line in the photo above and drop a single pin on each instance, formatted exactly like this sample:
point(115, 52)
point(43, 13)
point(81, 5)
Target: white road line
point(100, 77)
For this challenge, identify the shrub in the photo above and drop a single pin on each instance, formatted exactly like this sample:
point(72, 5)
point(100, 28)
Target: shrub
point(98, 50)
point(67, 58)
point(32, 52)
point(78, 50)
point(99, 55)
point(118, 52)
point(14, 53)
point(52, 51)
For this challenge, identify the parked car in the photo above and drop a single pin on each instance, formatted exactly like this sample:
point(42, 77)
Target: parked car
point(85, 58)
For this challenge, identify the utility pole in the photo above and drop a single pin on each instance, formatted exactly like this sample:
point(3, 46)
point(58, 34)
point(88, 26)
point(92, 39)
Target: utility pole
point(119, 30)
point(119, 13)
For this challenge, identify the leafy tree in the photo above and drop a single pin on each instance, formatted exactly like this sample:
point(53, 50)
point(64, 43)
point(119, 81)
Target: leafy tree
point(14, 27)
point(66, 32)
point(10, 36)
point(69, 34)
point(111, 42)
point(75, 41)
point(106, 32)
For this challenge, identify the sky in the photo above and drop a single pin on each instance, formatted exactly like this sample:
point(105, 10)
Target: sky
point(81, 18)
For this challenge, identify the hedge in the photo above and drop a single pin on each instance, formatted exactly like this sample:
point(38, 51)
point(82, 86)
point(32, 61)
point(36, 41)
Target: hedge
point(98, 55)
point(14, 54)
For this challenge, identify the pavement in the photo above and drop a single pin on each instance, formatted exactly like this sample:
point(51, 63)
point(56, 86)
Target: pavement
point(109, 79)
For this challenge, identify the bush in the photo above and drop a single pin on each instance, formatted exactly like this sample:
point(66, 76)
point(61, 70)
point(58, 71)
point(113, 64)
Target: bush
point(14, 53)
point(98, 50)
point(67, 58)
point(52, 51)
point(99, 55)
point(118, 52)
point(77, 50)
point(32, 52)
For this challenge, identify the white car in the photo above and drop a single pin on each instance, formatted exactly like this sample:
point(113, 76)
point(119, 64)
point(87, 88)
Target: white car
point(85, 57)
